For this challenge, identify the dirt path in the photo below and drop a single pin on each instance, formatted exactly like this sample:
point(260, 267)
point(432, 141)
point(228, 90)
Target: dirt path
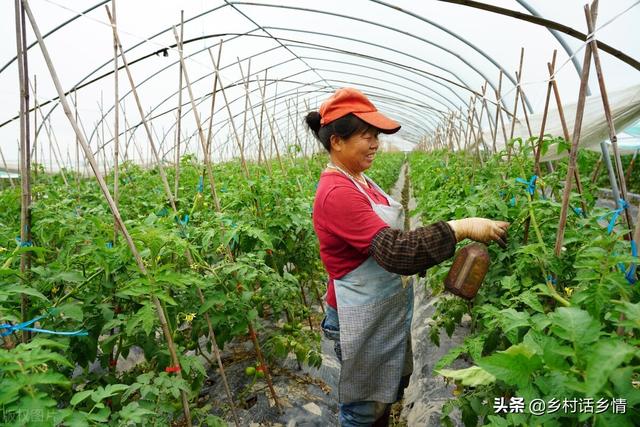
point(426, 393)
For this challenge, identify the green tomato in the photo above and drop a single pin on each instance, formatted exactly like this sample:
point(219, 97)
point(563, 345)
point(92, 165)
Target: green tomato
point(250, 371)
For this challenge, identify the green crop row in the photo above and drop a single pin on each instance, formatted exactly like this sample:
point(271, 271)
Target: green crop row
point(256, 260)
point(542, 327)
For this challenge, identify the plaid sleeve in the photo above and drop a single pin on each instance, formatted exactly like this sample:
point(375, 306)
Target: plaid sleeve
point(411, 252)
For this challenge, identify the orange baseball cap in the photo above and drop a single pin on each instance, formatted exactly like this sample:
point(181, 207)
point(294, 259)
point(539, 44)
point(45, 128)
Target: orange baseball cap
point(349, 100)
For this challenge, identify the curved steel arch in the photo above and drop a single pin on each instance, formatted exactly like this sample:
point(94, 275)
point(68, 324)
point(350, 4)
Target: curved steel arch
point(462, 39)
point(548, 24)
point(372, 23)
point(223, 121)
point(238, 35)
point(378, 46)
point(221, 124)
point(75, 87)
point(387, 72)
point(304, 43)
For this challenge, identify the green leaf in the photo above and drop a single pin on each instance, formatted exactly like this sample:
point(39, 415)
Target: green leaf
point(531, 299)
point(514, 366)
point(134, 413)
point(80, 396)
point(512, 319)
point(472, 377)
point(575, 325)
point(23, 290)
point(72, 311)
point(604, 357)
point(68, 276)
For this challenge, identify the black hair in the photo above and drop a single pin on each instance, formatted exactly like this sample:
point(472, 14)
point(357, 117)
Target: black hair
point(344, 127)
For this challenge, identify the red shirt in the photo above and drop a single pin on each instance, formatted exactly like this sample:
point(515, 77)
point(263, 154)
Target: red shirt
point(345, 224)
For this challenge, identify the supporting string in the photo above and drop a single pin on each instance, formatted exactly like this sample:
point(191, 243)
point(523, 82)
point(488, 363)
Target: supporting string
point(26, 326)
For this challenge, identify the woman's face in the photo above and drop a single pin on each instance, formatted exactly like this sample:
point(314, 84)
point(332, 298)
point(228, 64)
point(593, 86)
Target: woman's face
point(357, 152)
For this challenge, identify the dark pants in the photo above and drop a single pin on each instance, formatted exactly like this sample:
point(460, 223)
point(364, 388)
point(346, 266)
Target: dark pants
point(365, 413)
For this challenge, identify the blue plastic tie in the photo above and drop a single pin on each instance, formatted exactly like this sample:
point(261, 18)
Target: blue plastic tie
point(512, 202)
point(185, 220)
point(25, 326)
point(200, 184)
point(23, 244)
point(109, 245)
point(531, 184)
point(578, 211)
point(551, 280)
point(630, 274)
point(622, 205)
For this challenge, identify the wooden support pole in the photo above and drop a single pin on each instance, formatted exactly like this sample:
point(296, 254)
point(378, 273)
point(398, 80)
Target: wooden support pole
point(246, 105)
point(233, 125)
point(613, 137)
point(213, 104)
point(627, 174)
point(25, 181)
point(524, 109)
point(116, 123)
point(75, 109)
point(263, 89)
point(565, 130)
point(4, 162)
point(152, 145)
point(34, 149)
point(545, 112)
point(499, 109)
point(257, 126)
point(107, 194)
point(584, 80)
point(515, 104)
point(196, 115)
point(179, 120)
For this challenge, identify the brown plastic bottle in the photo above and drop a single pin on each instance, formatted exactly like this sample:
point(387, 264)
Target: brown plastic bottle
point(465, 276)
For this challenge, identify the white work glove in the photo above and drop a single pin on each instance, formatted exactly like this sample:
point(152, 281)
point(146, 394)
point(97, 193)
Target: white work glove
point(481, 230)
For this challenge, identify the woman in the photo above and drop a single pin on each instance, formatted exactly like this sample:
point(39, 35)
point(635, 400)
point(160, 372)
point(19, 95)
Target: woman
point(364, 251)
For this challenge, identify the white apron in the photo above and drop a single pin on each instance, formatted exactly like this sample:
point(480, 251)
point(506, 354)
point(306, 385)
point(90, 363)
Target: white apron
point(375, 312)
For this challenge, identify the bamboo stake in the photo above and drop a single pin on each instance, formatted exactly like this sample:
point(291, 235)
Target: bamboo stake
point(627, 175)
point(35, 126)
point(203, 142)
point(613, 137)
point(263, 89)
point(25, 206)
point(179, 120)
point(261, 147)
point(163, 175)
point(246, 105)
point(75, 109)
point(545, 112)
point(524, 111)
point(596, 171)
point(565, 131)
point(485, 106)
point(515, 102)
point(107, 194)
point(584, 80)
point(116, 122)
point(499, 109)
point(255, 121)
point(233, 125)
point(13, 185)
point(213, 105)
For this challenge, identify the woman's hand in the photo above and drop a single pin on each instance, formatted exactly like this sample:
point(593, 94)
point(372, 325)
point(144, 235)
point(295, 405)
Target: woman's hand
point(481, 230)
